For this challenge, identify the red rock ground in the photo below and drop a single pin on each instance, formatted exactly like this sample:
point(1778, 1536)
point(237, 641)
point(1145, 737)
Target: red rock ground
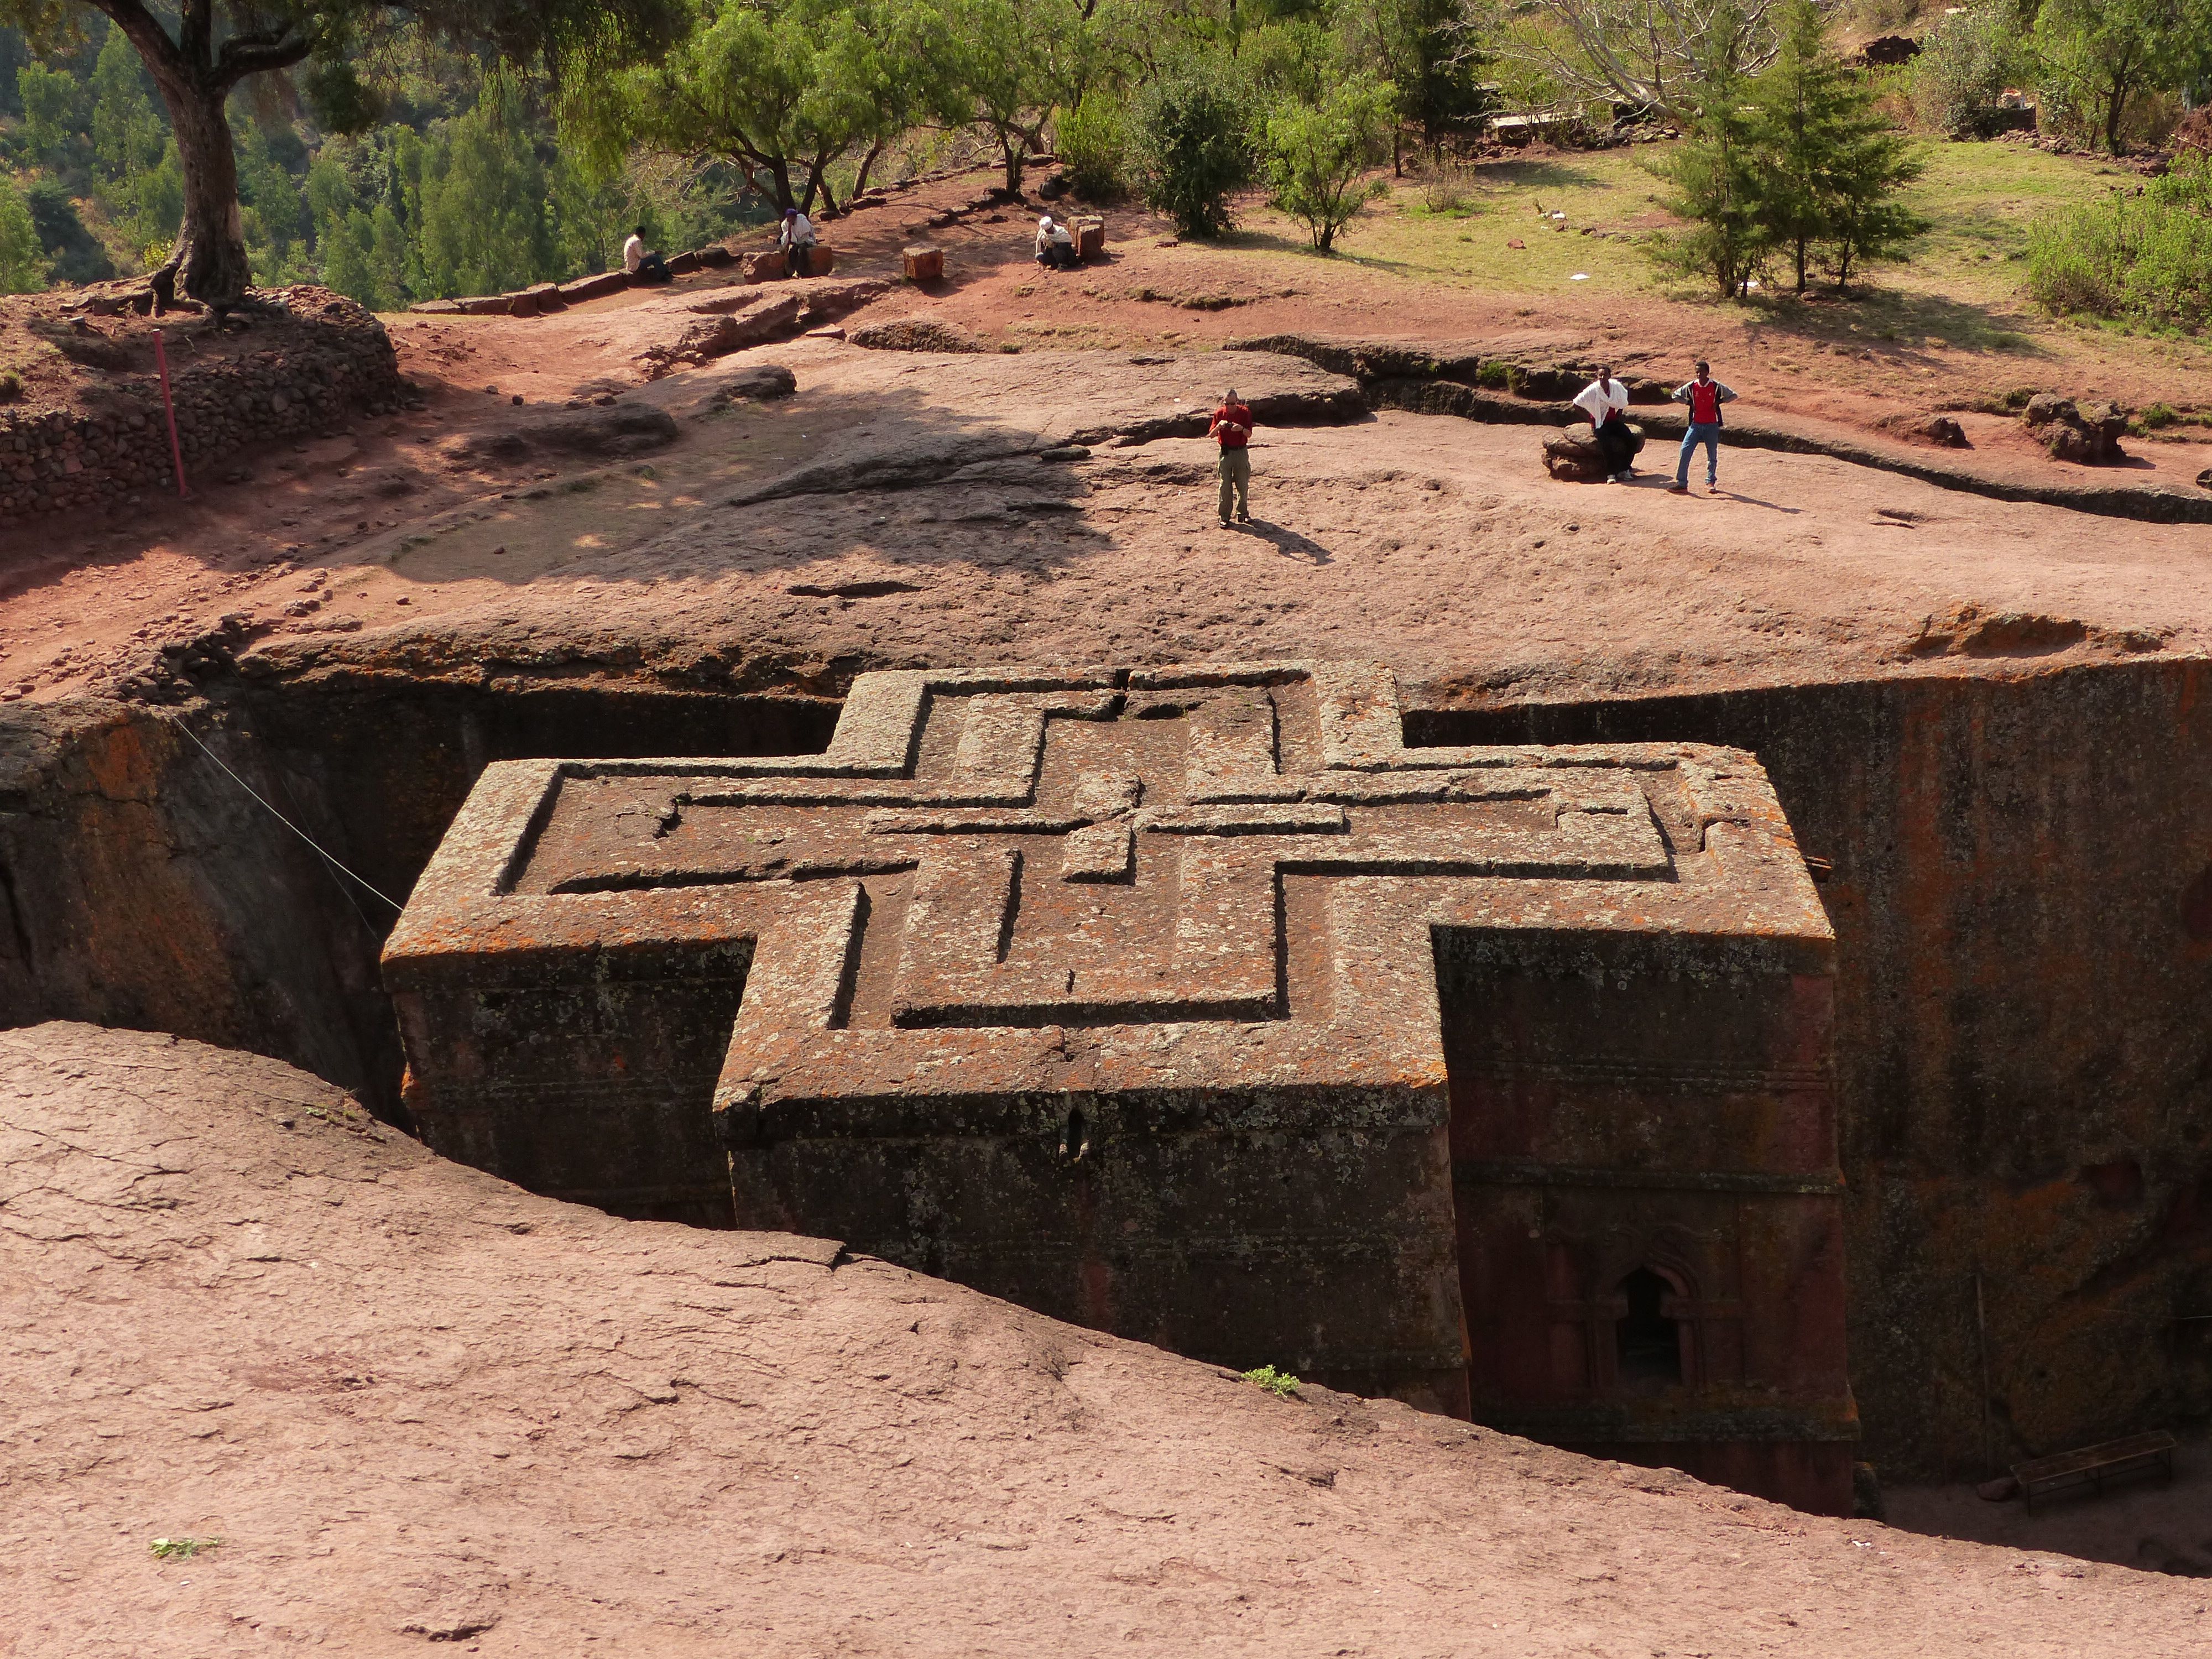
point(1498, 577)
point(418, 1405)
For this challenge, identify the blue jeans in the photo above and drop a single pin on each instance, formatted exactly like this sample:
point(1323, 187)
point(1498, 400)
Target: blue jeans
point(1710, 436)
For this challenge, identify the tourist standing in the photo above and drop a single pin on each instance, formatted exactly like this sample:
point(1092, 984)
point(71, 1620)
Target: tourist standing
point(1232, 429)
point(1705, 396)
point(1605, 400)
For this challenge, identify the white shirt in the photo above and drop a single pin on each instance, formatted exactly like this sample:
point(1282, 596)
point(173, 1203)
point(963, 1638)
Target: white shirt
point(796, 231)
point(1049, 234)
point(1597, 399)
point(633, 254)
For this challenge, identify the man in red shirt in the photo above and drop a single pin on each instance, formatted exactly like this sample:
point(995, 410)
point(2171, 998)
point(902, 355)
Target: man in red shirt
point(1705, 396)
point(1232, 431)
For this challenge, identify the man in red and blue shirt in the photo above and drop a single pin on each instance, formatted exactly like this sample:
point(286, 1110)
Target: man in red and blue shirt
point(1705, 396)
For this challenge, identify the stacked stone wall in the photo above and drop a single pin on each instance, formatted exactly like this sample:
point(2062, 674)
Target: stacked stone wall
point(327, 362)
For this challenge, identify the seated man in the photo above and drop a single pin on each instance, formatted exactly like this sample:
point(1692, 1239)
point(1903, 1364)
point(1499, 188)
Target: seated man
point(1605, 400)
point(795, 239)
point(1055, 244)
point(643, 265)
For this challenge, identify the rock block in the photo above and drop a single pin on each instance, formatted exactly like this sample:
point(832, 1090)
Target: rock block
point(821, 261)
point(684, 264)
point(489, 305)
point(714, 255)
point(1191, 1003)
point(1572, 455)
point(764, 267)
point(1089, 233)
point(524, 304)
point(923, 265)
point(593, 288)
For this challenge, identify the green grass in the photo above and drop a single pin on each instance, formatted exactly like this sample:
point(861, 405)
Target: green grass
point(1961, 286)
point(181, 1549)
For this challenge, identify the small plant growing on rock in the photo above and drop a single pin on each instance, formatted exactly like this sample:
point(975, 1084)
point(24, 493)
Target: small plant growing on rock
point(181, 1549)
point(1281, 1384)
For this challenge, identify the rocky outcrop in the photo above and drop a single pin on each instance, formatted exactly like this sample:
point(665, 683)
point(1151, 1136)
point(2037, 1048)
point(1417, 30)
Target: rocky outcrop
point(916, 334)
point(613, 430)
point(1572, 456)
point(2089, 437)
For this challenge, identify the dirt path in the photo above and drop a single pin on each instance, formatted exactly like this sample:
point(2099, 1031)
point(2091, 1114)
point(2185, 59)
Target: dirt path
point(419, 1405)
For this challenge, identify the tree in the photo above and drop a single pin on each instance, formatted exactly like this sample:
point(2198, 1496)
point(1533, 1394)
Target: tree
point(2098, 54)
point(1318, 157)
point(1654, 55)
point(199, 53)
point(483, 203)
point(127, 136)
point(1430, 52)
point(783, 87)
point(1717, 179)
point(1191, 146)
point(1829, 164)
point(22, 260)
point(54, 106)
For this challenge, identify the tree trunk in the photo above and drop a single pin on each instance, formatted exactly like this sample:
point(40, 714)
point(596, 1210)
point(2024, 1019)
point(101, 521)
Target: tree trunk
point(860, 178)
point(1800, 264)
point(208, 261)
point(1012, 147)
point(2114, 109)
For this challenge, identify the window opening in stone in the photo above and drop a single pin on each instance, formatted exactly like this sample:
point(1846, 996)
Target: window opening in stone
point(1650, 1345)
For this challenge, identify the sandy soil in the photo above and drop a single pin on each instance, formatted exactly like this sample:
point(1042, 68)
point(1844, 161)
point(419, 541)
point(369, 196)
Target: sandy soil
point(417, 1404)
point(1430, 542)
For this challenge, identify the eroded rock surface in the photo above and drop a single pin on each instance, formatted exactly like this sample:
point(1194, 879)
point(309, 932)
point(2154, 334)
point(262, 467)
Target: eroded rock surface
point(418, 1405)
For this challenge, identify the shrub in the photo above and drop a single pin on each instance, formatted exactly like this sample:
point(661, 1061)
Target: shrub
point(1318, 156)
point(1965, 66)
point(2143, 258)
point(1189, 143)
point(1092, 149)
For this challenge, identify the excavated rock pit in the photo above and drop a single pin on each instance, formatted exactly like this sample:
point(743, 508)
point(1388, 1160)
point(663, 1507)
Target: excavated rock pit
point(2017, 870)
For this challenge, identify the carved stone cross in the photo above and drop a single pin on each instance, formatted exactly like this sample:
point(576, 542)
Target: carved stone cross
point(1116, 992)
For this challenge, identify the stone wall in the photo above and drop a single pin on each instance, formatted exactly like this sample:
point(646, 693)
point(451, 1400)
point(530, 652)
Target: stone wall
point(325, 363)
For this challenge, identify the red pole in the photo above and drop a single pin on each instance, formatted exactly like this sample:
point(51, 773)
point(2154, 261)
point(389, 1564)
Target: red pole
point(176, 449)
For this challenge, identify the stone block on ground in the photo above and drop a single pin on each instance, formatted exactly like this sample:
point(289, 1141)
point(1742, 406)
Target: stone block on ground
point(593, 288)
point(684, 264)
point(2089, 437)
point(439, 308)
point(714, 255)
point(923, 265)
point(1089, 233)
point(522, 304)
point(610, 431)
point(821, 261)
point(489, 305)
point(764, 267)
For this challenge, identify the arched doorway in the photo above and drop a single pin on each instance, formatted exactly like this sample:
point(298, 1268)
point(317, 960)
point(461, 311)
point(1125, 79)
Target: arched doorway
point(1647, 1344)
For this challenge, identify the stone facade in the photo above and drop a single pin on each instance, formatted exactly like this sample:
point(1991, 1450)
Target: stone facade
point(1193, 1004)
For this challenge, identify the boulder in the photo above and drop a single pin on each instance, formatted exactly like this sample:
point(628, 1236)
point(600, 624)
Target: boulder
point(820, 260)
point(489, 305)
point(764, 267)
point(547, 296)
point(2045, 407)
point(1942, 429)
point(1572, 456)
point(714, 255)
point(1089, 233)
point(2087, 437)
point(684, 264)
point(521, 305)
point(1887, 50)
point(624, 429)
point(757, 383)
point(923, 264)
point(2204, 478)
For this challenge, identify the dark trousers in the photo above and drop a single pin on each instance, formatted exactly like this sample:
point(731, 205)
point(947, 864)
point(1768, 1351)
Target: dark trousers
point(1618, 444)
point(653, 268)
point(1059, 256)
point(794, 257)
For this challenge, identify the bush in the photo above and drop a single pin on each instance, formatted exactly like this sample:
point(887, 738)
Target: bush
point(1190, 146)
point(1965, 66)
point(1092, 148)
point(1318, 157)
point(2142, 259)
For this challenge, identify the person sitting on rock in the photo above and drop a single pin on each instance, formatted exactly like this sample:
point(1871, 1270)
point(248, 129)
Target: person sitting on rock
point(796, 239)
point(1232, 429)
point(1055, 246)
point(643, 263)
point(1605, 400)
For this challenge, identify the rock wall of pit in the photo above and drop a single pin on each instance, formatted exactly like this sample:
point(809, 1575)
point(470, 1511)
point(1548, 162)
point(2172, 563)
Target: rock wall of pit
point(2021, 888)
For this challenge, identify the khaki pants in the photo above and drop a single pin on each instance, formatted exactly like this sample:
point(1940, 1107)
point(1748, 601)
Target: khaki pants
point(1236, 480)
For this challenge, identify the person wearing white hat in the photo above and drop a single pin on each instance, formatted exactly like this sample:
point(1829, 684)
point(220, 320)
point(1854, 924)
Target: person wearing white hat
point(1055, 244)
